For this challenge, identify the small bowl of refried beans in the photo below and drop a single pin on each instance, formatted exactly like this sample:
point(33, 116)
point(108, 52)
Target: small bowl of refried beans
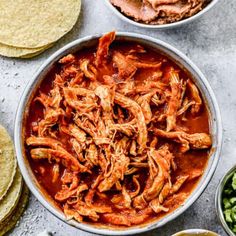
point(159, 14)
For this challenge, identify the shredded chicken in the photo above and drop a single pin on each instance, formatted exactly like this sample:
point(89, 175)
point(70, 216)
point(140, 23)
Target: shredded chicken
point(187, 141)
point(174, 101)
point(109, 127)
point(103, 48)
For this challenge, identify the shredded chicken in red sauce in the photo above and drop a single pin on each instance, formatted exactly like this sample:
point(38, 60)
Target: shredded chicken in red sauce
point(119, 135)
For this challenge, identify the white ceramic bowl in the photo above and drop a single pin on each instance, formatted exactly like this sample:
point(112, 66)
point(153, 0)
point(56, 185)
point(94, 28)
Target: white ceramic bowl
point(180, 59)
point(195, 232)
point(164, 26)
point(218, 200)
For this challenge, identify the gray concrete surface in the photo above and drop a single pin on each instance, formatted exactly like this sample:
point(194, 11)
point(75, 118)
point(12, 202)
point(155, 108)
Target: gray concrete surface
point(210, 42)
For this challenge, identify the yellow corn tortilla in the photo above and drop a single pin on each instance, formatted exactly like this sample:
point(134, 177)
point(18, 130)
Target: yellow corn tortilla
point(9, 51)
point(34, 24)
point(9, 202)
point(12, 220)
point(7, 162)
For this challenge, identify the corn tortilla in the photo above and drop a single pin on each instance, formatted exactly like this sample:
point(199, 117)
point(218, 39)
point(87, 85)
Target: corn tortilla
point(30, 55)
point(9, 202)
point(34, 24)
point(12, 220)
point(9, 51)
point(7, 162)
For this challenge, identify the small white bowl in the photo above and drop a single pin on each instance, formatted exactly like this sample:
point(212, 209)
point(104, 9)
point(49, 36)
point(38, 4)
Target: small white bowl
point(164, 26)
point(219, 197)
point(195, 232)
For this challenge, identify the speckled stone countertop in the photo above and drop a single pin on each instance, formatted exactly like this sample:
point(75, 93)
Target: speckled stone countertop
point(210, 42)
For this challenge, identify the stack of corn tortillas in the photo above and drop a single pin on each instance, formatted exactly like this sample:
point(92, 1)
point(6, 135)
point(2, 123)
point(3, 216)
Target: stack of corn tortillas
point(13, 192)
point(29, 27)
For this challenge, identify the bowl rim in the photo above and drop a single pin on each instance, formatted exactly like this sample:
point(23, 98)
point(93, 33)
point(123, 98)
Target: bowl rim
point(90, 228)
point(194, 231)
point(218, 199)
point(164, 26)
